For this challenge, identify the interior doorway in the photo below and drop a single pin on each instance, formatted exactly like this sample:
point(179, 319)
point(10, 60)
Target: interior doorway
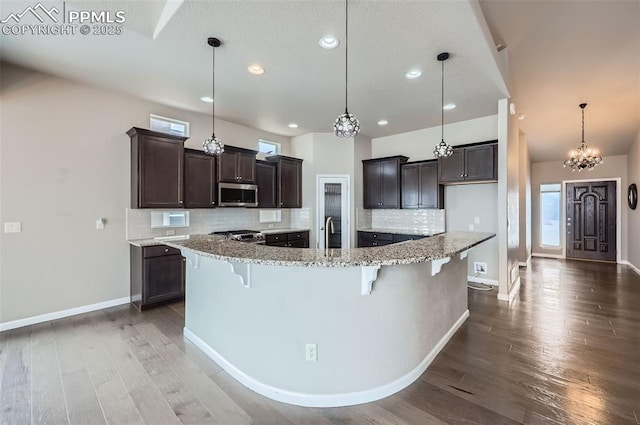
point(332, 215)
point(592, 220)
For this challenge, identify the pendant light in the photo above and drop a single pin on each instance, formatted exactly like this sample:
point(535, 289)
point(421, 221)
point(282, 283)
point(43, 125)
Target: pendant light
point(584, 158)
point(213, 145)
point(442, 150)
point(347, 124)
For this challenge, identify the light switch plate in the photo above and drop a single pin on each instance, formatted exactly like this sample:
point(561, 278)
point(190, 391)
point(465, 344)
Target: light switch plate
point(12, 227)
point(476, 220)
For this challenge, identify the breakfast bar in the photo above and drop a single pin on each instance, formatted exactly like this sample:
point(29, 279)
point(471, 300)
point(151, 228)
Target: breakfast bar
point(325, 328)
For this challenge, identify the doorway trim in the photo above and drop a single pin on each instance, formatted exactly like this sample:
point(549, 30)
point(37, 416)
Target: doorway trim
point(563, 232)
point(344, 178)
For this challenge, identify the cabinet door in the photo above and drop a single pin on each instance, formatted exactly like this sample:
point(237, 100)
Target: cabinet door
point(290, 172)
point(199, 180)
point(410, 187)
point(266, 180)
point(300, 243)
point(246, 167)
point(228, 167)
point(481, 162)
point(390, 184)
point(163, 278)
point(160, 173)
point(371, 174)
point(431, 193)
point(452, 168)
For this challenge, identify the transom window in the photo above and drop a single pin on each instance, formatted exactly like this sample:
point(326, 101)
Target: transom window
point(268, 147)
point(169, 125)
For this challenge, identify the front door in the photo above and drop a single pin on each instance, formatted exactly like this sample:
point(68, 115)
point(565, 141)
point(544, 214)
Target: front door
point(591, 220)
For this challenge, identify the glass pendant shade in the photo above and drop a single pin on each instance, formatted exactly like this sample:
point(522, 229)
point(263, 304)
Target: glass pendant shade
point(213, 145)
point(346, 125)
point(442, 150)
point(584, 158)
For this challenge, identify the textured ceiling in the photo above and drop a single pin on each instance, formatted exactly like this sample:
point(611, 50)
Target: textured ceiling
point(302, 83)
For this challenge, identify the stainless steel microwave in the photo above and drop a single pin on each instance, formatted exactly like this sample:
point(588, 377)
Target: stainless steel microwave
point(237, 195)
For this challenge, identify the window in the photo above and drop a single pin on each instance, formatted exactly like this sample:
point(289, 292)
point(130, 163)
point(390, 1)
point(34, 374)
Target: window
point(550, 215)
point(169, 125)
point(268, 147)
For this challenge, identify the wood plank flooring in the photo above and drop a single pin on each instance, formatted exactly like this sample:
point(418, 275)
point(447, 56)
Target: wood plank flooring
point(566, 351)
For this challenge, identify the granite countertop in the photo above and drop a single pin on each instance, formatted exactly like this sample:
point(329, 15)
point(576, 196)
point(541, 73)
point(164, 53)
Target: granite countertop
point(397, 231)
point(410, 252)
point(156, 241)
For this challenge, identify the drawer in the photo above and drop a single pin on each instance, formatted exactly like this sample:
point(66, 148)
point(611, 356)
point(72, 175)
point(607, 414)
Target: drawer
point(281, 243)
point(275, 238)
point(159, 251)
point(402, 238)
point(376, 236)
point(297, 236)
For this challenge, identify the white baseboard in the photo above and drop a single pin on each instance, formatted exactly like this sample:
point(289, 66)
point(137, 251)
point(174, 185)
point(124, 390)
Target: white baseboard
point(630, 265)
point(27, 321)
point(326, 400)
point(490, 282)
point(559, 256)
point(525, 263)
point(512, 294)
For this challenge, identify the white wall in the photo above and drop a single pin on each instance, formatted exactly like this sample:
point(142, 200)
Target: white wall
point(462, 203)
point(633, 229)
point(65, 162)
point(554, 172)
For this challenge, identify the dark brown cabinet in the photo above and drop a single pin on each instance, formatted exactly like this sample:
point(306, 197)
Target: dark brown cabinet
point(156, 169)
point(266, 179)
point(470, 164)
point(371, 239)
point(199, 179)
point(420, 187)
point(291, 239)
point(289, 181)
point(382, 182)
point(237, 165)
point(157, 275)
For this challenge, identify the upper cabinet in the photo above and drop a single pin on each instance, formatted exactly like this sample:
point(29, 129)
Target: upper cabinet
point(382, 182)
point(420, 187)
point(288, 181)
point(237, 165)
point(199, 179)
point(266, 179)
point(471, 164)
point(156, 169)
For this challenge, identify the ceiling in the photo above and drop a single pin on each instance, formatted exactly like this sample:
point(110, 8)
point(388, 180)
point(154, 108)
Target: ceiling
point(560, 53)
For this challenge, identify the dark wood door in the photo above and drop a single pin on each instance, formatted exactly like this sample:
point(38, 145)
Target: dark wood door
point(410, 187)
point(591, 220)
point(390, 184)
point(161, 162)
point(246, 167)
point(431, 193)
point(290, 187)
point(266, 179)
point(163, 278)
point(371, 184)
point(199, 180)
point(452, 168)
point(480, 162)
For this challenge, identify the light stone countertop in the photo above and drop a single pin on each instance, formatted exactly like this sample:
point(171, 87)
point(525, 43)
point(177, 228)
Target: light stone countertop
point(397, 231)
point(156, 241)
point(410, 252)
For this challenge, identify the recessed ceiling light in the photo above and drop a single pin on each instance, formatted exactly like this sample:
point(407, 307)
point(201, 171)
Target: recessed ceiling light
point(449, 106)
point(383, 122)
point(414, 73)
point(206, 99)
point(329, 42)
point(256, 69)
point(293, 125)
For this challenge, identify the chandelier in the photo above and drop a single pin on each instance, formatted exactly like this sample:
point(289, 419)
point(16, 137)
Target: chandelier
point(212, 145)
point(584, 158)
point(346, 125)
point(442, 149)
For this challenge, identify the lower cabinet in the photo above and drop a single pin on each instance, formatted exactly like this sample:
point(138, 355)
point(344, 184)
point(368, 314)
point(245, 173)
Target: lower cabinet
point(157, 275)
point(291, 240)
point(369, 239)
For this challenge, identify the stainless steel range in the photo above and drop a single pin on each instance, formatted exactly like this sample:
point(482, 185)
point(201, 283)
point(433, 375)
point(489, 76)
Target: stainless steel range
point(251, 236)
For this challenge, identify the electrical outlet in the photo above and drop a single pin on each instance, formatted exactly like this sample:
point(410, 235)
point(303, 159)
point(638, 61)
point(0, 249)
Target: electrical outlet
point(480, 268)
point(100, 223)
point(471, 227)
point(476, 220)
point(12, 227)
point(311, 352)
point(170, 232)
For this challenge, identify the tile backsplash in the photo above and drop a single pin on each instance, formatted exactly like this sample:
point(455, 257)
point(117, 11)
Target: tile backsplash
point(203, 221)
point(422, 220)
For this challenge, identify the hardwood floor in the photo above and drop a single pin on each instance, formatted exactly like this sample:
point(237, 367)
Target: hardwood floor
point(566, 351)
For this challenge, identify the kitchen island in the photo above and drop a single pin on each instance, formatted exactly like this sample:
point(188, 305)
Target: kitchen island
point(325, 328)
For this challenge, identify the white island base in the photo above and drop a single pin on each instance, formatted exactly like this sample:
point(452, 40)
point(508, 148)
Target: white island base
point(255, 321)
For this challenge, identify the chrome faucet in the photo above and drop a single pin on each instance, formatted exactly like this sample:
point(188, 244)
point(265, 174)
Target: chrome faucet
point(328, 225)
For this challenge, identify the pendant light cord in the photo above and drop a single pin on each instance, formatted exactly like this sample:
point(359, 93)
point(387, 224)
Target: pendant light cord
point(346, 55)
point(582, 127)
point(442, 103)
point(213, 92)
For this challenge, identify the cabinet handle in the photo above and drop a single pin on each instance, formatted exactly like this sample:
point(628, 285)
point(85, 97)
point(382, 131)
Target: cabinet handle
point(180, 201)
point(166, 250)
point(461, 175)
point(281, 203)
point(375, 236)
point(375, 244)
point(213, 203)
